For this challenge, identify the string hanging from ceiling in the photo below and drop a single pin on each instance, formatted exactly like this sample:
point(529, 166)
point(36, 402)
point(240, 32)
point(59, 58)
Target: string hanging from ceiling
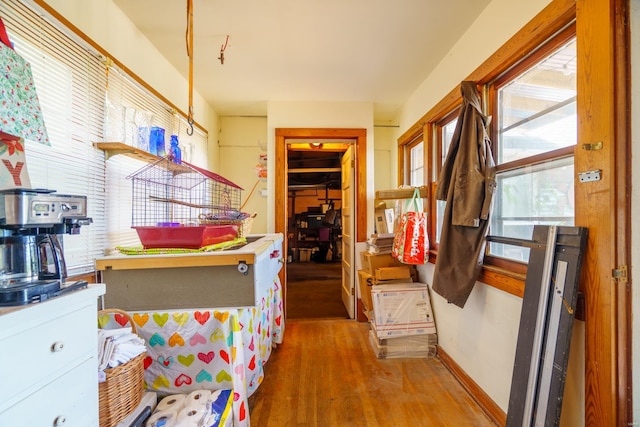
point(189, 40)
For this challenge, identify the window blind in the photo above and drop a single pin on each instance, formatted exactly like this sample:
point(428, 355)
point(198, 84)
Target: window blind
point(84, 100)
point(69, 82)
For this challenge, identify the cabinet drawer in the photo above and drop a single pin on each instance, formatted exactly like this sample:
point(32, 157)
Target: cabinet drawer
point(38, 355)
point(72, 398)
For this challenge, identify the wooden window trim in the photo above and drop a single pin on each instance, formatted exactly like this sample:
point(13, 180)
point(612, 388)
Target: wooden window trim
point(404, 149)
point(549, 46)
point(554, 20)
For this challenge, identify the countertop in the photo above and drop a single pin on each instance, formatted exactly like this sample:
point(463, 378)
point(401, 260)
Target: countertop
point(256, 246)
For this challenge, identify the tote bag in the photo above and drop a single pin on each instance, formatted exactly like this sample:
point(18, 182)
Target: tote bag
point(410, 240)
point(20, 113)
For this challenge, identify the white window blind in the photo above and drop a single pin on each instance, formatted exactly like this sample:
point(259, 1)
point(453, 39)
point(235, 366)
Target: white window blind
point(82, 104)
point(128, 107)
point(70, 85)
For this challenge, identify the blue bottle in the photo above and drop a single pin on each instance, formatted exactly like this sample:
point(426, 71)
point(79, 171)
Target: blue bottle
point(156, 141)
point(174, 151)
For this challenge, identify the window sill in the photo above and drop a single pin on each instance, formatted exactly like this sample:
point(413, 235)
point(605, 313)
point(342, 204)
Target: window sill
point(499, 278)
point(505, 280)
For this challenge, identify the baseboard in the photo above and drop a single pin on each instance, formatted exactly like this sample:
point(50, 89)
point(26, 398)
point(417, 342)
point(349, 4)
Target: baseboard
point(492, 410)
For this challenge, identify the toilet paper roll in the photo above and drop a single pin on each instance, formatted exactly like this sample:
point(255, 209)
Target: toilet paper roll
point(197, 398)
point(190, 416)
point(166, 418)
point(187, 423)
point(173, 402)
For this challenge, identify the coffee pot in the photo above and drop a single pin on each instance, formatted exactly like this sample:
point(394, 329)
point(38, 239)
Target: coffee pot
point(31, 258)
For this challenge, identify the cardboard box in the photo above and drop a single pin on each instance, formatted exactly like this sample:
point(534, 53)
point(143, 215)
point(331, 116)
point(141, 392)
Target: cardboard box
point(364, 285)
point(391, 273)
point(370, 262)
point(402, 309)
point(385, 219)
point(404, 347)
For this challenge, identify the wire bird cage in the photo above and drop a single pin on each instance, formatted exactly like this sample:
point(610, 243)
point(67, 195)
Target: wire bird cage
point(181, 205)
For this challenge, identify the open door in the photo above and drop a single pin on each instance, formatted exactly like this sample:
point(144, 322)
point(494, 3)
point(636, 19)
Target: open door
point(348, 228)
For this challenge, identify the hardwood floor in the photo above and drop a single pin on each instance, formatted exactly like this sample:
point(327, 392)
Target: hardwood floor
point(313, 290)
point(326, 374)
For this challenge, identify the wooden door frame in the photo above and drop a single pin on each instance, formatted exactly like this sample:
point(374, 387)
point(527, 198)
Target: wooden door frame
point(281, 183)
point(603, 106)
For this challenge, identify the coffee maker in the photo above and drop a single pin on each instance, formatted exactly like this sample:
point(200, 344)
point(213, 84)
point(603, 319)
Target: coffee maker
point(32, 223)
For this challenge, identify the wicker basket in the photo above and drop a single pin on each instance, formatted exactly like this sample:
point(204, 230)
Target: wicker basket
point(122, 390)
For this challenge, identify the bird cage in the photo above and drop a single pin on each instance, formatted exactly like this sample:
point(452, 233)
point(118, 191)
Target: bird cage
point(179, 205)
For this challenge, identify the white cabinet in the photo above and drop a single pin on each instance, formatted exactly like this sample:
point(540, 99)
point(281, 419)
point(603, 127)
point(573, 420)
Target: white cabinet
point(48, 362)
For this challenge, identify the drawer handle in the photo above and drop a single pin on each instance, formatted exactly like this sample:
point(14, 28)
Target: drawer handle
point(59, 421)
point(56, 347)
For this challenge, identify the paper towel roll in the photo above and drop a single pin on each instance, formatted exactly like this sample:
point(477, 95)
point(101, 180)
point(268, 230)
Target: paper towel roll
point(197, 398)
point(166, 418)
point(174, 402)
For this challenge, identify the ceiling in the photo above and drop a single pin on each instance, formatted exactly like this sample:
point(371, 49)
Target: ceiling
point(305, 50)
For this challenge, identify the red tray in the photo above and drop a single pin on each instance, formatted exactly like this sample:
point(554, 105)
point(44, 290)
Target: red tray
point(187, 237)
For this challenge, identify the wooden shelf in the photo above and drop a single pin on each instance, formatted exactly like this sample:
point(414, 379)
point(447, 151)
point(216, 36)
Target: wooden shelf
point(399, 193)
point(114, 148)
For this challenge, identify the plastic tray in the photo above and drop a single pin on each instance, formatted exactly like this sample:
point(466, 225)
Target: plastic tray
point(188, 237)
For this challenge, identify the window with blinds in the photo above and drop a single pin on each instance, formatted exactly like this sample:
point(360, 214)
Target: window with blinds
point(82, 98)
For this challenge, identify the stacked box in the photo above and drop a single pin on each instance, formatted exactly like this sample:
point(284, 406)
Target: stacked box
point(365, 283)
point(385, 219)
point(371, 262)
point(393, 273)
point(380, 243)
point(409, 346)
point(402, 309)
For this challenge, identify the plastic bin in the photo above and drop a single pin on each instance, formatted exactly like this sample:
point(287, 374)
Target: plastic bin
point(187, 237)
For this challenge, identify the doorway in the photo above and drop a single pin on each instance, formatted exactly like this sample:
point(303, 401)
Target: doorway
point(286, 139)
point(314, 206)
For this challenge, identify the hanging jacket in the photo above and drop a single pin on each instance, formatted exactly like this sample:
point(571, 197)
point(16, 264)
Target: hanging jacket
point(467, 183)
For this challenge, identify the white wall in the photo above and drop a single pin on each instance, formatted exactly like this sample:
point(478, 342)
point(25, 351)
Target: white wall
point(106, 25)
point(354, 115)
point(239, 147)
point(482, 337)
point(385, 158)
point(500, 20)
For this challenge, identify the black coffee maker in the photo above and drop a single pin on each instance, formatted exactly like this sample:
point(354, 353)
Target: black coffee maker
point(32, 223)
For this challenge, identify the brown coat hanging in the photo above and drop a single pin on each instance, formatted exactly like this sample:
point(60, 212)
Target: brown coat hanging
point(467, 183)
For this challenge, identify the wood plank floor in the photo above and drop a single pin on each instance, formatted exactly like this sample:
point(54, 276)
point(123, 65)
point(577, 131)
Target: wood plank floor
point(325, 374)
point(313, 290)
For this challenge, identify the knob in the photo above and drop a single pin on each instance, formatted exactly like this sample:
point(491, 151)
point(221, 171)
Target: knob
point(57, 346)
point(59, 421)
point(243, 268)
